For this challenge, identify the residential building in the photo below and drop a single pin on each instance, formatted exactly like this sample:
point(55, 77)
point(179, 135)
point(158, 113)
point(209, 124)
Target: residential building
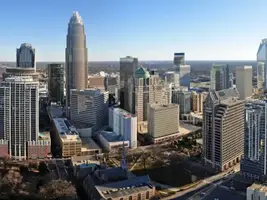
point(219, 77)
point(254, 162)
point(257, 192)
point(56, 83)
point(76, 56)
point(19, 114)
point(128, 66)
point(41, 148)
point(183, 98)
point(66, 137)
point(244, 86)
point(160, 127)
point(223, 128)
point(89, 107)
point(262, 64)
point(26, 56)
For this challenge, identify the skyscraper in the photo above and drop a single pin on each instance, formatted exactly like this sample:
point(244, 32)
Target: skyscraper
point(223, 128)
point(19, 114)
point(182, 70)
point(244, 81)
point(76, 56)
point(254, 162)
point(183, 98)
point(262, 64)
point(145, 89)
point(219, 77)
point(128, 66)
point(56, 83)
point(26, 56)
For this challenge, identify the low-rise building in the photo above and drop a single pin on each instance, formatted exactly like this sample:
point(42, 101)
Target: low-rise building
point(3, 148)
point(111, 140)
point(257, 192)
point(160, 127)
point(67, 137)
point(40, 148)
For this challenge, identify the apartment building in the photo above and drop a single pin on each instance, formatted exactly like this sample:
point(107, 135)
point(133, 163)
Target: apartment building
point(197, 100)
point(66, 137)
point(223, 128)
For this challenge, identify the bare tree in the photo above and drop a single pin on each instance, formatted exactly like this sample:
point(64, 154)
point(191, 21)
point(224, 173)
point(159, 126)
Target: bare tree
point(11, 182)
point(58, 189)
point(144, 158)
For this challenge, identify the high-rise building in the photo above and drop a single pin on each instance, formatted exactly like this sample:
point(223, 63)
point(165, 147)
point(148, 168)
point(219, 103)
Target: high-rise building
point(160, 127)
point(179, 59)
point(124, 124)
point(128, 66)
point(197, 100)
point(223, 128)
point(89, 107)
point(262, 64)
point(219, 77)
point(244, 81)
point(76, 56)
point(19, 114)
point(183, 98)
point(145, 89)
point(254, 162)
point(26, 56)
point(56, 83)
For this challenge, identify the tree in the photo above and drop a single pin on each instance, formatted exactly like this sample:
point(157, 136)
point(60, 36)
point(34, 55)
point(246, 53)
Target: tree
point(58, 189)
point(144, 158)
point(43, 169)
point(159, 163)
point(11, 182)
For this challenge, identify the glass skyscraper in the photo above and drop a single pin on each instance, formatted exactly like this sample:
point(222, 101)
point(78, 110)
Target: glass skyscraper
point(262, 64)
point(219, 77)
point(26, 56)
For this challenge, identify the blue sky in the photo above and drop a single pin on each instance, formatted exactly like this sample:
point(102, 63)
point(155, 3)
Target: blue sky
point(147, 29)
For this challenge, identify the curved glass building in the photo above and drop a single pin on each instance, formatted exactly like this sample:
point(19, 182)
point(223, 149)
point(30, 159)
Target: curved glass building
point(262, 64)
point(76, 62)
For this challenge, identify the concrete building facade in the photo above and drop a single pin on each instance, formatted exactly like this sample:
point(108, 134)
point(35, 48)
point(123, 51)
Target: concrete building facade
point(159, 123)
point(197, 100)
point(19, 114)
point(183, 98)
point(244, 75)
point(223, 128)
point(89, 107)
point(262, 64)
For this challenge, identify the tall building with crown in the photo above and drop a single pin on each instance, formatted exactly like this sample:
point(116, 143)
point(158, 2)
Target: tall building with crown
point(26, 56)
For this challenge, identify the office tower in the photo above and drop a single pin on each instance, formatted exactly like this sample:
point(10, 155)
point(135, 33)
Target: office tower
point(182, 98)
point(19, 114)
point(159, 124)
point(26, 56)
point(244, 81)
point(179, 59)
point(76, 56)
point(197, 100)
point(89, 107)
point(262, 64)
point(223, 128)
point(128, 66)
point(254, 162)
point(231, 80)
point(125, 124)
point(172, 78)
point(56, 83)
point(219, 77)
point(145, 89)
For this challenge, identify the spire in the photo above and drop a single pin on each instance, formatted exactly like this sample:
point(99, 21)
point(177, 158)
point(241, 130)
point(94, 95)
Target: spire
point(76, 18)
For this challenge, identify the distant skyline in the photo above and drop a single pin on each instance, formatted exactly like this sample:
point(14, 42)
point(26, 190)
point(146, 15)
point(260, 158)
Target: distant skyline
point(149, 30)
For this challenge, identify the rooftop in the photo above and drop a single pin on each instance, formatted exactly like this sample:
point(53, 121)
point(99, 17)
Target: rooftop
point(88, 144)
point(89, 91)
point(123, 112)
point(125, 187)
point(142, 73)
point(76, 18)
point(111, 136)
point(44, 136)
point(227, 96)
point(66, 131)
point(54, 111)
point(163, 107)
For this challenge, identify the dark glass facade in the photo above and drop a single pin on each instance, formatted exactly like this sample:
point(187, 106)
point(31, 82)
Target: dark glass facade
point(56, 83)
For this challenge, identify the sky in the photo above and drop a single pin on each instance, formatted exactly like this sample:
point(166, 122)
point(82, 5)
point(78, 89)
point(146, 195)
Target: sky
point(147, 29)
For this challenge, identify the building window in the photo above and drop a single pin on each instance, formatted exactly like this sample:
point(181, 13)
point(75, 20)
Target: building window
point(147, 195)
point(139, 197)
